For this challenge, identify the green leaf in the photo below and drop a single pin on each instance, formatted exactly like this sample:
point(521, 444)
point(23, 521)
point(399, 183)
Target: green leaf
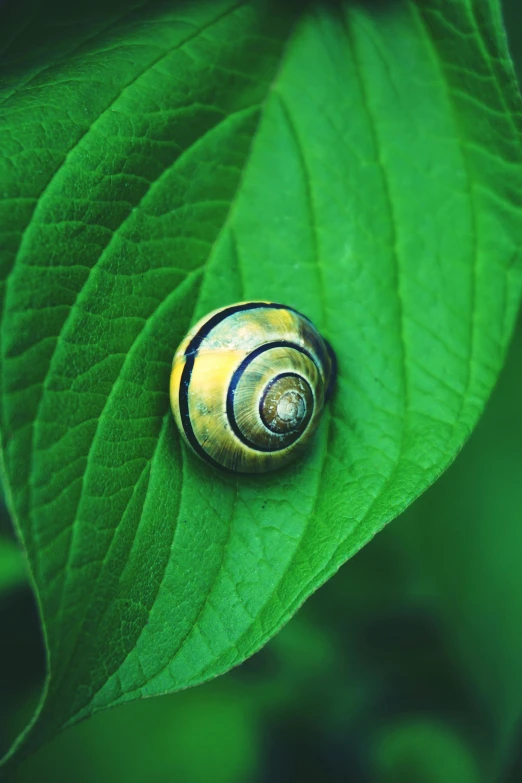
point(360, 162)
point(13, 571)
point(478, 583)
point(12, 567)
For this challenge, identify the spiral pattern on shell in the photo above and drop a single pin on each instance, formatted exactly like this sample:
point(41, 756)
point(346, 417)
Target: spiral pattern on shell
point(248, 385)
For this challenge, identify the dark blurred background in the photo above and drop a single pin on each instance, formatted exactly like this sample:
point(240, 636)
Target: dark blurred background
point(405, 668)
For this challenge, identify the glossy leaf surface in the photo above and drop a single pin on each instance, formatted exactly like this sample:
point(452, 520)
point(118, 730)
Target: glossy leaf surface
point(360, 162)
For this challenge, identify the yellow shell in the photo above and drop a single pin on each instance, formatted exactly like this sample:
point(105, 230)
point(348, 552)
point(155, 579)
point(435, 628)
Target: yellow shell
point(248, 385)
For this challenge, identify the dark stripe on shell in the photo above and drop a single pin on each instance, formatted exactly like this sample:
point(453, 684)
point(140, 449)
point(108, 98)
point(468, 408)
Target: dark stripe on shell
point(237, 377)
point(190, 354)
point(216, 319)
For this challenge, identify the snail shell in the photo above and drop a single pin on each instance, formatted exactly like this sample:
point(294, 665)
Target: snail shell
point(248, 385)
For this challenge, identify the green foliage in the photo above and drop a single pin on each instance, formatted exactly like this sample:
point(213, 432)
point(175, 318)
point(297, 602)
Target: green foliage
point(477, 580)
point(360, 162)
point(12, 568)
point(198, 736)
point(385, 657)
point(424, 752)
point(13, 572)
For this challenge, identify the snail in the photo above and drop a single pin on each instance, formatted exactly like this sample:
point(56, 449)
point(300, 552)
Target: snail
point(248, 385)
